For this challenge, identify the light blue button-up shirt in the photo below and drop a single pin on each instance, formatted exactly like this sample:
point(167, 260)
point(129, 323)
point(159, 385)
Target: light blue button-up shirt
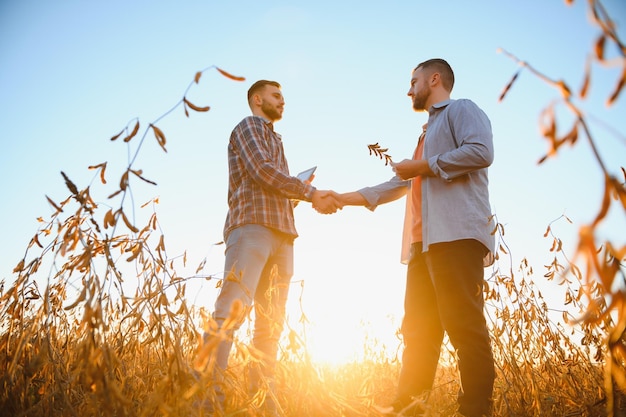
point(455, 201)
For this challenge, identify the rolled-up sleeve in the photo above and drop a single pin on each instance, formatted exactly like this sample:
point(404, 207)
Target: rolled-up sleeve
point(385, 192)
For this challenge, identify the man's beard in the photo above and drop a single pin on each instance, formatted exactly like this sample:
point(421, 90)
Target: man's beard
point(419, 101)
point(272, 113)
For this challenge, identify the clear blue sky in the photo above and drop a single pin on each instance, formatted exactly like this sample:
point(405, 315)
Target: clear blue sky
point(74, 73)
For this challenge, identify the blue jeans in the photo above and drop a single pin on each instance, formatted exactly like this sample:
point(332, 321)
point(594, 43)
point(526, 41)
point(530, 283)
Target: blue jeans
point(258, 270)
point(444, 294)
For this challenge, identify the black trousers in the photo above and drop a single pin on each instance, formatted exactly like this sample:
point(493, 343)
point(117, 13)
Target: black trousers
point(444, 294)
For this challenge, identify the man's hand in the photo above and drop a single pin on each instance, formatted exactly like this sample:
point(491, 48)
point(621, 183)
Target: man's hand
point(326, 201)
point(409, 168)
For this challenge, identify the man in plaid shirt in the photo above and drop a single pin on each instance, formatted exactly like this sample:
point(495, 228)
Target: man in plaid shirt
point(259, 233)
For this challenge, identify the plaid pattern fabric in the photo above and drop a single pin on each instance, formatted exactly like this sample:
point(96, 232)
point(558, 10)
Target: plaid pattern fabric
point(260, 189)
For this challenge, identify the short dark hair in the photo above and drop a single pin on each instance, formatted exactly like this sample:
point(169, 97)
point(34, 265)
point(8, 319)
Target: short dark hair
point(259, 85)
point(441, 66)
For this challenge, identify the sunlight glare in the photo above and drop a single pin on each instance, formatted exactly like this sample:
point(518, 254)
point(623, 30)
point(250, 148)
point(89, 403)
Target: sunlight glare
point(333, 342)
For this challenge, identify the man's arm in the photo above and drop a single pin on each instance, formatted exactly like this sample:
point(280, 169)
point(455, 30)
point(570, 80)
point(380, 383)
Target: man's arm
point(370, 197)
point(474, 151)
point(353, 198)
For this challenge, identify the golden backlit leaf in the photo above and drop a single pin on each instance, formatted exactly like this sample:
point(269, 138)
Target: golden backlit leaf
point(229, 75)
point(102, 167)
point(584, 89)
point(182, 309)
point(109, 219)
point(554, 245)
point(136, 250)
point(196, 108)
point(124, 181)
point(565, 90)
point(201, 266)
point(19, 267)
point(158, 133)
point(133, 133)
point(160, 137)
point(118, 135)
point(197, 77)
point(53, 204)
point(114, 194)
point(35, 240)
point(606, 202)
point(599, 47)
point(128, 223)
point(618, 89)
point(161, 245)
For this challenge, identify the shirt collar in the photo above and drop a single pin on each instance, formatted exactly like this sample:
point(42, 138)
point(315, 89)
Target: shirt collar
point(266, 121)
point(440, 105)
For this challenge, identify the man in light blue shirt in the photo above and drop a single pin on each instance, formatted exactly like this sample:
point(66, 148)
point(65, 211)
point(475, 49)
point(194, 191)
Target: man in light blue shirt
point(447, 240)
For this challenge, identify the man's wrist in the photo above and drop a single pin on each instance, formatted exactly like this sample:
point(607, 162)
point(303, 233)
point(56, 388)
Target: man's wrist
point(308, 193)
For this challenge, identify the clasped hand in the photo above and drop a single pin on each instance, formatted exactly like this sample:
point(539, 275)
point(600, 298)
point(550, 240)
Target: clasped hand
point(326, 201)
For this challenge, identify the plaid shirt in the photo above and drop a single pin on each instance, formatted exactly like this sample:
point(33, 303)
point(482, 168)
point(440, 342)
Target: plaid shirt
point(260, 189)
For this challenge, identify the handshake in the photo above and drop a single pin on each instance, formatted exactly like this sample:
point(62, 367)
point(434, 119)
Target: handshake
point(327, 201)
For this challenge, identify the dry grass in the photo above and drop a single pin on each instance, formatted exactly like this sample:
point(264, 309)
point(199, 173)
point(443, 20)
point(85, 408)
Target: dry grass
point(74, 343)
point(105, 353)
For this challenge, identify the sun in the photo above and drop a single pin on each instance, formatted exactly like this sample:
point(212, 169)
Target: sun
point(334, 337)
point(340, 323)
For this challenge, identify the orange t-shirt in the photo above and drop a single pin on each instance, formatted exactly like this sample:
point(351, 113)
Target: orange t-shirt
point(416, 196)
